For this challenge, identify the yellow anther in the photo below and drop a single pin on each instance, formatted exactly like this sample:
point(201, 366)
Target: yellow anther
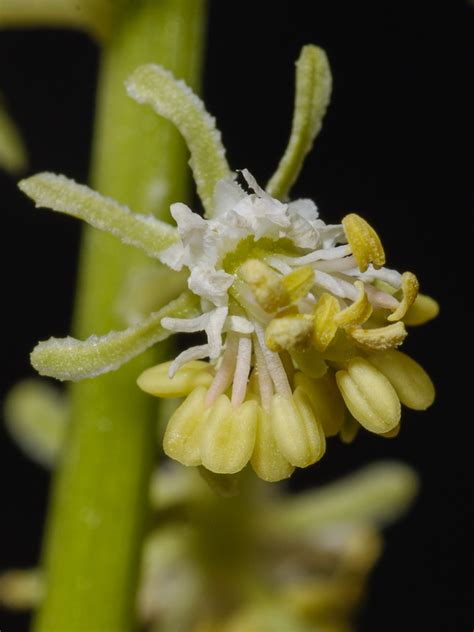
point(267, 460)
point(265, 283)
point(182, 438)
point(299, 282)
point(228, 436)
point(357, 313)
point(325, 326)
point(369, 396)
point(423, 309)
point(298, 435)
point(408, 378)
point(410, 287)
point(364, 242)
point(380, 338)
point(289, 333)
point(326, 400)
point(191, 375)
point(349, 430)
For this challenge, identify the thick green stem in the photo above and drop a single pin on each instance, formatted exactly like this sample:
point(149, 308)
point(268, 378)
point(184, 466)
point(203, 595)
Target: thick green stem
point(99, 504)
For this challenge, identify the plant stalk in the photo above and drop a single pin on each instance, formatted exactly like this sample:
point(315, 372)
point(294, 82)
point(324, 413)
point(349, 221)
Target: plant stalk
point(99, 503)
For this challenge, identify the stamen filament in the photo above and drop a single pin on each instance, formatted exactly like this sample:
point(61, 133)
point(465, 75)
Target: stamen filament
point(223, 377)
point(265, 385)
point(274, 364)
point(242, 370)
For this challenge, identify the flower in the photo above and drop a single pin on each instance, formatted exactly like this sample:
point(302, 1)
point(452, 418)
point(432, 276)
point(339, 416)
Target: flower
point(302, 319)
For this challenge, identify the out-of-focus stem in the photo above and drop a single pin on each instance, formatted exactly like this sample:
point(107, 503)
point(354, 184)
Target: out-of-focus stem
point(91, 15)
point(99, 505)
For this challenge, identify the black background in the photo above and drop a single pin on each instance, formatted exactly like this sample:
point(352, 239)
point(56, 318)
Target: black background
point(395, 148)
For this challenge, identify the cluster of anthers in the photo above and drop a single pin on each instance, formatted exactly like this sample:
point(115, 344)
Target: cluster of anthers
point(302, 318)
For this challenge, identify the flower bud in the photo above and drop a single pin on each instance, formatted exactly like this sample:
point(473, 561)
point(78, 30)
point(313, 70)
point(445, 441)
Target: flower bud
point(191, 375)
point(182, 438)
point(267, 460)
point(326, 401)
point(408, 378)
point(423, 309)
point(369, 396)
point(298, 435)
point(228, 435)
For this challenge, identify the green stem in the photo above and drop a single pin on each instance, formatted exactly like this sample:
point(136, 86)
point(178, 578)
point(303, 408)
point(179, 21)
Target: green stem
point(100, 500)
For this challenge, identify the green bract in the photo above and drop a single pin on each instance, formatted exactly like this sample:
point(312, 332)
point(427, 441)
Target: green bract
point(313, 92)
point(72, 359)
point(175, 101)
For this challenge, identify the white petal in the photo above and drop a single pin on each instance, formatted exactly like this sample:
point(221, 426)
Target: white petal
point(226, 195)
point(304, 207)
point(199, 241)
point(238, 324)
point(210, 284)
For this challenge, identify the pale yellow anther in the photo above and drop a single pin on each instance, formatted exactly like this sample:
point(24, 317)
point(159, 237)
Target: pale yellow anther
point(379, 338)
point(349, 430)
point(228, 435)
point(182, 440)
point(191, 375)
point(423, 310)
point(357, 313)
point(364, 242)
point(369, 396)
point(410, 287)
point(265, 283)
point(289, 333)
point(325, 327)
point(411, 382)
point(326, 400)
point(299, 282)
point(298, 435)
point(267, 460)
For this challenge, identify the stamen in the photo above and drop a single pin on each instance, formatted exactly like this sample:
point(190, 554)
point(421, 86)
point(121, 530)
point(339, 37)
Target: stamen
point(358, 312)
point(242, 370)
point(381, 338)
point(379, 299)
point(193, 353)
point(223, 378)
point(319, 255)
point(336, 286)
point(410, 287)
point(392, 277)
point(336, 265)
point(364, 242)
point(265, 385)
point(274, 364)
